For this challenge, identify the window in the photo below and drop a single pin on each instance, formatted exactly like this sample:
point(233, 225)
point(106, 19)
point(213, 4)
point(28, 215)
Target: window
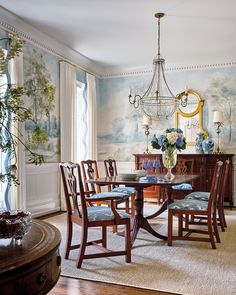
point(3, 155)
point(81, 123)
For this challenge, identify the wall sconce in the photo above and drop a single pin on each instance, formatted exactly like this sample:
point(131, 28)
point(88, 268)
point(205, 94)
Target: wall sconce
point(218, 121)
point(146, 122)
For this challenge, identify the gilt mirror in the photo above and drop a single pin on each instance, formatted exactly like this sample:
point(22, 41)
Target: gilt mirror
point(189, 116)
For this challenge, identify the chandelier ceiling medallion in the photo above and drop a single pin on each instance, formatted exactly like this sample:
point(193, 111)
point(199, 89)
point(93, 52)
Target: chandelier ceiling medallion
point(158, 102)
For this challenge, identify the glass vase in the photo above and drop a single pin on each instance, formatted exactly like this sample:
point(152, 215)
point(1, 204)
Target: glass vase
point(169, 158)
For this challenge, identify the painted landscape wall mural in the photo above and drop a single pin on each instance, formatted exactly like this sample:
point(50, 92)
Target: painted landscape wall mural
point(41, 83)
point(120, 133)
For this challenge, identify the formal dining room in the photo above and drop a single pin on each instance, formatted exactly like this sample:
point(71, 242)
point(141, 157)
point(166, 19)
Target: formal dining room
point(117, 147)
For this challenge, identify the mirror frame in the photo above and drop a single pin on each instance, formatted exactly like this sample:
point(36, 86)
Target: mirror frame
point(198, 110)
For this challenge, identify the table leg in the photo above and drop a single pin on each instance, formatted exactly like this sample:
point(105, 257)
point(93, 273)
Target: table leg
point(164, 205)
point(140, 221)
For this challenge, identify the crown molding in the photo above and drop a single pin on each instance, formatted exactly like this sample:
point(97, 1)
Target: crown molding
point(12, 23)
point(116, 73)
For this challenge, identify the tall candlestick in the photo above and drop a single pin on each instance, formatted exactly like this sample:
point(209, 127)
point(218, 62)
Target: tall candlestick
point(186, 90)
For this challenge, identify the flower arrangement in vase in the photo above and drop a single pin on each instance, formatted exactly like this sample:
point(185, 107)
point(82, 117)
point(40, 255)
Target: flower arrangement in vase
point(172, 140)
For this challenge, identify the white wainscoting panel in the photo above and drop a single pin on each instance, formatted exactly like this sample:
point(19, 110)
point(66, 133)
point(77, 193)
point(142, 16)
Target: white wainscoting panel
point(42, 189)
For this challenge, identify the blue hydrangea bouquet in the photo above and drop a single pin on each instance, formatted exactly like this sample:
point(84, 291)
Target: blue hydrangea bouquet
point(169, 142)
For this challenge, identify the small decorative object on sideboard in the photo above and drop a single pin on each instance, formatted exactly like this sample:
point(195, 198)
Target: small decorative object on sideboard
point(14, 224)
point(198, 145)
point(208, 146)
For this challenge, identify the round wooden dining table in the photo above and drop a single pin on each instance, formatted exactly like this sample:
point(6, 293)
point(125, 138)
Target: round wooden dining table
point(140, 221)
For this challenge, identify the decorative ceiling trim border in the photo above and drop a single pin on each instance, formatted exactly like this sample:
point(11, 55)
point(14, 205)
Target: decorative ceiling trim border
point(177, 68)
point(11, 29)
point(13, 24)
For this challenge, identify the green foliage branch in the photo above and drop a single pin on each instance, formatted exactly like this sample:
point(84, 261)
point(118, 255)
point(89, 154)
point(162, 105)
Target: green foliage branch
point(12, 107)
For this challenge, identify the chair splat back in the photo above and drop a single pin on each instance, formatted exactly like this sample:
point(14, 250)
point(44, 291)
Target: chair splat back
point(73, 189)
point(90, 171)
point(110, 167)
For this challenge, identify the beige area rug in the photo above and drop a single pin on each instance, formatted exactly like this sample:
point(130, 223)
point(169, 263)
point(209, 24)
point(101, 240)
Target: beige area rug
point(190, 268)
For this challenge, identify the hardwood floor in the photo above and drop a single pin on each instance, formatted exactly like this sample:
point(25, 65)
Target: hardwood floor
point(70, 286)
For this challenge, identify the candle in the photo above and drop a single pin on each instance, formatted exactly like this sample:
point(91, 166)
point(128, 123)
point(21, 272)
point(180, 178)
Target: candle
point(186, 90)
point(217, 117)
point(147, 121)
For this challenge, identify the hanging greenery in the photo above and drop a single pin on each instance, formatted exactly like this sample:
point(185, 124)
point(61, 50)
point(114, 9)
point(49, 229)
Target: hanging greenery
point(12, 112)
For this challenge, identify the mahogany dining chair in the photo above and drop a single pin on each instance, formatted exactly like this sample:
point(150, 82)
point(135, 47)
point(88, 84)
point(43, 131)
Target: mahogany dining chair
point(188, 208)
point(80, 211)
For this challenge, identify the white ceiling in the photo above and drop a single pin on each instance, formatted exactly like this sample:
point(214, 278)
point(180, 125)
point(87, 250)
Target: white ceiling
point(123, 33)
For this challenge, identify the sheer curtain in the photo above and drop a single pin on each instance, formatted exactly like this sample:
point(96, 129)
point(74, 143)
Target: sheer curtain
point(67, 101)
point(92, 117)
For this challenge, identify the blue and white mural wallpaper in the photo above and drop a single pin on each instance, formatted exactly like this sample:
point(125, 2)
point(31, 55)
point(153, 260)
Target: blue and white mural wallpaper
point(120, 132)
point(41, 83)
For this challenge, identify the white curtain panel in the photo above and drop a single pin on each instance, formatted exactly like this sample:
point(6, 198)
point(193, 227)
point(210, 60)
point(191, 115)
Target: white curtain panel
point(92, 117)
point(67, 126)
point(18, 200)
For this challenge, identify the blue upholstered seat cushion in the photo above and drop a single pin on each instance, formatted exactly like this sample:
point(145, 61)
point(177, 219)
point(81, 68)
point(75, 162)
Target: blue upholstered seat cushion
point(109, 194)
point(182, 186)
point(100, 213)
point(201, 196)
point(126, 190)
point(189, 205)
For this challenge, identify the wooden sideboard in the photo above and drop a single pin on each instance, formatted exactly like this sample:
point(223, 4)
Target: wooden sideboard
point(34, 266)
point(203, 164)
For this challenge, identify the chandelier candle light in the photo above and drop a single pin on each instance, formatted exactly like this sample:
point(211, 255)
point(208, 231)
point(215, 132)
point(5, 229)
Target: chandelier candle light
point(218, 121)
point(146, 122)
point(158, 102)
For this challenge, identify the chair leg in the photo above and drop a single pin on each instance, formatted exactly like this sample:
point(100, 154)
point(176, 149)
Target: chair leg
point(180, 225)
point(127, 206)
point(132, 205)
point(210, 231)
point(68, 239)
point(82, 247)
point(221, 218)
point(222, 212)
point(187, 221)
point(216, 232)
point(170, 222)
point(223, 215)
point(104, 236)
point(128, 243)
point(115, 226)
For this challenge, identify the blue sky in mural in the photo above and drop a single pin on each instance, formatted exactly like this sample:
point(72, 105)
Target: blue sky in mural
point(120, 133)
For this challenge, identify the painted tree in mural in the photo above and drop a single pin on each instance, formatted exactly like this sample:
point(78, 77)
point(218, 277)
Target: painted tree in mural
point(40, 92)
point(222, 93)
point(12, 112)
